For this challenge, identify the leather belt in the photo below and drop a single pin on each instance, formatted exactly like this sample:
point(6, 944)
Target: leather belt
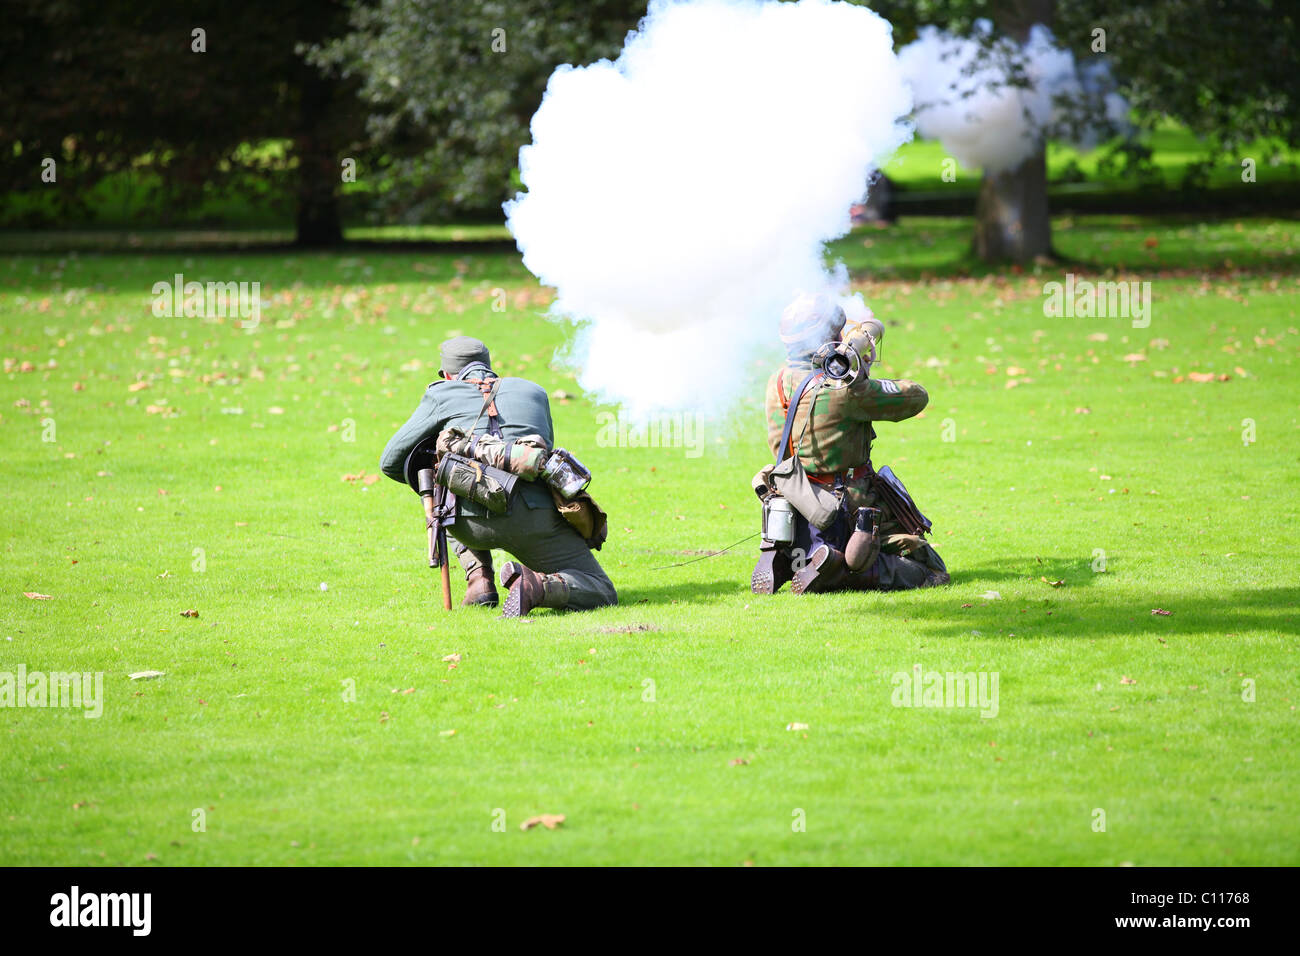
point(829, 477)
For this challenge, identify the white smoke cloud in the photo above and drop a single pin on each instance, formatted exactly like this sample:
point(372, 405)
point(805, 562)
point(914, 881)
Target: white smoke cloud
point(963, 100)
point(678, 197)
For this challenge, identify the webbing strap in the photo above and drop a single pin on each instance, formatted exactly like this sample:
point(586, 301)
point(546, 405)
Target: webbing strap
point(789, 414)
point(489, 405)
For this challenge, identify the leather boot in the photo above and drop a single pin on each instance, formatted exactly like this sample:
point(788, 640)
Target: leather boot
point(529, 590)
point(772, 571)
point(864, 542)
point(823, 572)
point(480, 589)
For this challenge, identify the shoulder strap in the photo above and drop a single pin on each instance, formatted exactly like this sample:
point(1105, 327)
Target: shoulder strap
point(489, 405)
point(790, 411)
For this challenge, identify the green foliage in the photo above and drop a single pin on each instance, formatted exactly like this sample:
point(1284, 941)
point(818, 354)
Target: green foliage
point(1226, 69)
point(118, 88)
point(450, 89)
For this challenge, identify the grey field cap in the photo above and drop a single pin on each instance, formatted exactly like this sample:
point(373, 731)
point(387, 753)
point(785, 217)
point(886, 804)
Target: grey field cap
point(461, 351)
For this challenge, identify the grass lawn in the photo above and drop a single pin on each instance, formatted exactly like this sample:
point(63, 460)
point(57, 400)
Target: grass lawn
point(308, 710)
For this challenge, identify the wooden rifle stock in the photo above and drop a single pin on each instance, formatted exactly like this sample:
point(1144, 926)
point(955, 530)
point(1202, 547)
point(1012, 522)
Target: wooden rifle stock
point(432, 495)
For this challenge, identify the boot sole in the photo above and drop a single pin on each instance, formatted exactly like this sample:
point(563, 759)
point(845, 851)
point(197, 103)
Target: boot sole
point(804, 579)
point(510, 572)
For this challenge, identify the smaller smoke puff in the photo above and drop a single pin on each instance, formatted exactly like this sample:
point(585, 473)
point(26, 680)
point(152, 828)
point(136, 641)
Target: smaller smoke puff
point(964, 98)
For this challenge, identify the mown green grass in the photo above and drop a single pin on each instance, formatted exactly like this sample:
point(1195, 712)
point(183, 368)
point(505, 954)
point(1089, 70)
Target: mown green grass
point(1091, 450)
point(920, 166)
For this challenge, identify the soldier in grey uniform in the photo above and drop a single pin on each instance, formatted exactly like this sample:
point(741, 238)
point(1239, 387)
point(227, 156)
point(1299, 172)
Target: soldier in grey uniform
point(555, 568)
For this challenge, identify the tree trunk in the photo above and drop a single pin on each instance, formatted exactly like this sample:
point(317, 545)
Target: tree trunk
point(1011, 216)
point(319, 170)
point(318, 205)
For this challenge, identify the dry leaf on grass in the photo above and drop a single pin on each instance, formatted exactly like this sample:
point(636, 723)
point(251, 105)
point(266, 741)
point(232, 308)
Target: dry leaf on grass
point(796, 726)
point(1055, 584)
point(190, 613)
point(145, 675)
point(1160, 612)
point(548, 820)
point(1127, 680)
point(35, 596)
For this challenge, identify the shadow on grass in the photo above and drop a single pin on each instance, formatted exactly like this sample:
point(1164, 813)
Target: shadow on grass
point(1193, 614)
point(1046, 614)
point(695, 592)
point(1075, 572)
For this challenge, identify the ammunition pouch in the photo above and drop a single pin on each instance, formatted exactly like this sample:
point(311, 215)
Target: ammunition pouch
point(891, 493)
point(467, 478)
point(818, 505)
point(584, 515)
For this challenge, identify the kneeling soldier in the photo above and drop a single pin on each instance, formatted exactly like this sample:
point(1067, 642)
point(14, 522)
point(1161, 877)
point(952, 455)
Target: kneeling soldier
point(555, 566)
point(831, 521)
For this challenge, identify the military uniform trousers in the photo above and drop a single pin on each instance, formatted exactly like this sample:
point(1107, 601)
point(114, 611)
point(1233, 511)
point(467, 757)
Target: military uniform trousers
point(539, 538)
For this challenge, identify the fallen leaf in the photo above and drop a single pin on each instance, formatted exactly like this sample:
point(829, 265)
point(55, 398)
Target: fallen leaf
point(35, 596)
point(145, 675)
point(1055, 584)
point(548, 820)
point(451, 659)
point(190, 613)
point(137, 386)
point(1127, 680)
point(1161, 612)
point(796, 726)
point(738, 762)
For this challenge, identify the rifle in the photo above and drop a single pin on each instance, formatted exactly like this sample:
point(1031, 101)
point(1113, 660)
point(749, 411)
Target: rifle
point(434, 497)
